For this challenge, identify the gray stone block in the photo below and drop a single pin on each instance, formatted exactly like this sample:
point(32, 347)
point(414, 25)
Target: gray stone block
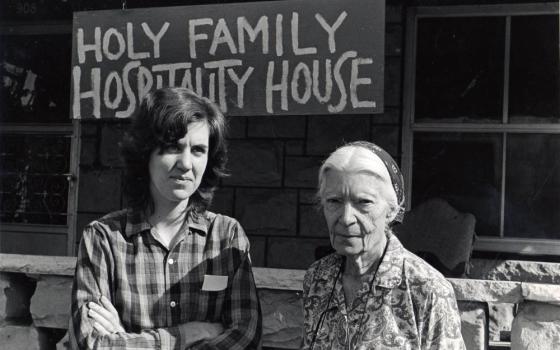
point(267, 211)
point(536, 327)
point(88, 151)
point(474, 324)
point(295, 147)
point(237, 127)
point(50, 305)
point(393, 73)
point(515, 270)
point(293, 253)
point(387, 137)
point(302, 171)
point(312, 222)
point(109, 149)
point(100, 191)
point(17, 337)
point(223, 201)
point(390, 115)
point(282, 318)
point(500, 318)
point(277, 126)
point(326, 133)
point(308, 197)
point(15, 295)
point(258, 250)
point(255, 163)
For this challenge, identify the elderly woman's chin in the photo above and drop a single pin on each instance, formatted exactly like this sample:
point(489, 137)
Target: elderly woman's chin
point(348, 246)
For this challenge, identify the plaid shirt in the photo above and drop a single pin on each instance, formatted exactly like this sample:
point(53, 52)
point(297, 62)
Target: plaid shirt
point(155, 289)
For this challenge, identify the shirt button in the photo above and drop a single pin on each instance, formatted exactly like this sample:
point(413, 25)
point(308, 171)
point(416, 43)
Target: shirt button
point(171, 261)
point(172, 304)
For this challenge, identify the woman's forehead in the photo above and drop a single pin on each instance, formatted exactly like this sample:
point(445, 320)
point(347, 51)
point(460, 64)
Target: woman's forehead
point(352, 160)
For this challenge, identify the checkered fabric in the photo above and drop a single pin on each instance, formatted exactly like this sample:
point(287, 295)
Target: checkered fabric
point(155, 289)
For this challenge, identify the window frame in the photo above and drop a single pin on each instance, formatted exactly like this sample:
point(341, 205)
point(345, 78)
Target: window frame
point(71, 129)
point(526, 246)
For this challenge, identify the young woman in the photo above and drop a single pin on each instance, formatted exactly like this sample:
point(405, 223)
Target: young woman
point(166, 273)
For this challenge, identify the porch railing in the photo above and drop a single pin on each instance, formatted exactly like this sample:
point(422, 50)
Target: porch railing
point(35, 298)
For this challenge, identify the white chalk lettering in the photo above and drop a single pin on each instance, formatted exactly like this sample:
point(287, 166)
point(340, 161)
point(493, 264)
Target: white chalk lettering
point(240, 83)
point(221, 66)
point(130, 45)
point(331, 29)
point(340, 82)
point(94, 93)
point(121, 45)
point(145, 81)
point(222, 35)
point(328, 81)
point(128, 90)
point(279, 33)
point(112, 77)
point(187, 80)
point(198, 79)
point(295, 38)
point(171, 68)
point(155, 38)
point(282, 87)
point(193, 37)
point(82, 48)
point(212, 86)
point(301, 67)
point(355, 82)
point(244, 27)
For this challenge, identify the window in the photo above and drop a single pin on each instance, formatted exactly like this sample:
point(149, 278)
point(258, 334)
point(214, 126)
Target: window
point(482, 119)
point(37, 140)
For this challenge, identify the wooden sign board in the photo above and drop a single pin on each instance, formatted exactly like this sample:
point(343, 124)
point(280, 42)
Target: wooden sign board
point(264, 58)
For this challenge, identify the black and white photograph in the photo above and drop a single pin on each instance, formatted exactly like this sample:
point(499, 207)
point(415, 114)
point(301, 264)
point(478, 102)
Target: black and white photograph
point(280, 174)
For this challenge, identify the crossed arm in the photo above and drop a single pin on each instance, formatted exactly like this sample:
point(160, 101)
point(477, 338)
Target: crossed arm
point(95, 323)
point(106, 321)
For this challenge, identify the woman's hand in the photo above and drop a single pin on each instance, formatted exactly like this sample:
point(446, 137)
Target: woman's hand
point(105, 317)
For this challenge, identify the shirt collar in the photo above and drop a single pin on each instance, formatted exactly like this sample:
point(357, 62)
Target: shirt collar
point(137, 222)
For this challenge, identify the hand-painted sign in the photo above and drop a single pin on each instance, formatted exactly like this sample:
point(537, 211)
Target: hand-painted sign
point(271, 57)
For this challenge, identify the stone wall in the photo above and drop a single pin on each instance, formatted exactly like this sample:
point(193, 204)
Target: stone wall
point(35, 294)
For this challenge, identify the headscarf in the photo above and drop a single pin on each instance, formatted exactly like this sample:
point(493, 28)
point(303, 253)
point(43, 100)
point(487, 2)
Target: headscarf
point(395, 174)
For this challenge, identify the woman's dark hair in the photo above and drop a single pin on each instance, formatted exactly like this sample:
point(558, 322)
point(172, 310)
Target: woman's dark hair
point(161, 120)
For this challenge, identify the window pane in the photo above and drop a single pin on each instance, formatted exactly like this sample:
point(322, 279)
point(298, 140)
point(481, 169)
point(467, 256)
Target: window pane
point(33, 185)
point(459, 70)
point(532, 201)
point(35, 75)
point(534, 92)
point(465, 170)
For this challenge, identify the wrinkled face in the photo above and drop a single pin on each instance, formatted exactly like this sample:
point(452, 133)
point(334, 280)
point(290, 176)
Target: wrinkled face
point(176, 172)
point(354, 199)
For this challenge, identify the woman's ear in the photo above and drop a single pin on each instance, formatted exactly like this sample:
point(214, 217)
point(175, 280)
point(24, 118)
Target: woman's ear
point(391, 213)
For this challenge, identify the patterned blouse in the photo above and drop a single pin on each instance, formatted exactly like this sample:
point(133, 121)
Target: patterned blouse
point(411, 306)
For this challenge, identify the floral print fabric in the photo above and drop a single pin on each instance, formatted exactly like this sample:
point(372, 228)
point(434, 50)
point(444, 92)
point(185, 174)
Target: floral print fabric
point(411, 306)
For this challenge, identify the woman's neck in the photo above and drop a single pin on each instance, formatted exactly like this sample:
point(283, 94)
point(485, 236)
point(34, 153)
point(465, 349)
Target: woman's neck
point(359, 265)
point(167, 219)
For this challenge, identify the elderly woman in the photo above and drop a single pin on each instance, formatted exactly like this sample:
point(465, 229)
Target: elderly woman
point(166, 273)
point(372, 293)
